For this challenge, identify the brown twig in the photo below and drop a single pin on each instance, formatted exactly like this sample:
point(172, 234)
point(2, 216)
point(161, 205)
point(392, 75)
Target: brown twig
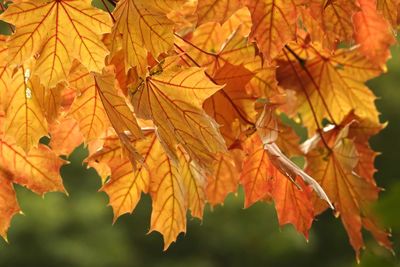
point(303, 66)
point(320, 131)
point(108, 10)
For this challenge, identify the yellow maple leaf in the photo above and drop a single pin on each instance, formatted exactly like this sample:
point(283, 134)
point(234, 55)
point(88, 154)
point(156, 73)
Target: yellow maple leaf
point(87, 108)
point(328, 85)
point(169, 203)
point(120, 115)
point(194, 181)
point(25, 119)
point(125, 185)
point(173, 100)
point(140, 28)
point(223, 179)
point(216, 10)
point(56, 32)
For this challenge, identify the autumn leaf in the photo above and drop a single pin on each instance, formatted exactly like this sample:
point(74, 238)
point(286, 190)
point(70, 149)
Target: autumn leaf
point(194, 181)
point(213, 45)
point(87, 108)
point(223, 180)
point(232, 107)
point(293, 204)
point(187, 100)
point(120, 115)
point(368, 22)
point(335, 19)
point(5, 71)
point(9, 204)
point(38, 170)
point(172, 100)
point(389, 9)
point(58, 32)
point(140, 28)
point(257, 174)
point(168, 198)
point(25, 119)
point(125, 185)
point(334, 168)
point(216, 10)
point(274, 24)
point(328, 85)
point(65, 136)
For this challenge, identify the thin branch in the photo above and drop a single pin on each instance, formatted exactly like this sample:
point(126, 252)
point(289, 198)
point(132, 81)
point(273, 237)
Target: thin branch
point(112, 2)
point(302, 63)
point(195, 46)
point(108, 10)
point(320, 131)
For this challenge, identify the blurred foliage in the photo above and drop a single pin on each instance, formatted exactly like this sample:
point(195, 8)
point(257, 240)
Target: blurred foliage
point(77, 230)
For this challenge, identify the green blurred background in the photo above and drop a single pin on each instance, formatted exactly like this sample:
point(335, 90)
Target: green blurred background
point(77, 230)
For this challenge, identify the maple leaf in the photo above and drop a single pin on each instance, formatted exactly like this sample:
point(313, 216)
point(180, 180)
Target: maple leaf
point(264, 179)
point(65, 136)
point(25, 119)
point(223, 180)
point(213, 45)
point(143, 29)
point(50, 101)
point(226, 58)
point(232, 107)
point(368, 22)
point(216, 10)
point(267, 129)
point(9, 204)
point(194, 181)
point(87, 108)
point(118, 112)
point(5, 72)
point(57, 31)
point(335, 19)
point(166, 5)
point(168, 197)
point(389, 9)
point(293, 204)
point(38, 170)
point(274, 24)
point(126, 184)
point(256, 176)
point(173, 100)
point(328, 85)
point(334, 168)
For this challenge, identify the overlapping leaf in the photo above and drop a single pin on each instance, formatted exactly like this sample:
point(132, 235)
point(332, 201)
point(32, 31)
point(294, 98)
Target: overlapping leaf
point(334, 168)
point(140, 28)
point(335, 18)
point(87, 108)
point(25, 119)
point(373, 33)
point(216, 10)
point(172, 100)
point(126, 184)
point(329, 86)
point(274, 24)
point(57, 32)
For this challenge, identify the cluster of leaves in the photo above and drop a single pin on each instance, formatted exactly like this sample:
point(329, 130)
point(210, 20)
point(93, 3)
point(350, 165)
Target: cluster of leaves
point(184, 100)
